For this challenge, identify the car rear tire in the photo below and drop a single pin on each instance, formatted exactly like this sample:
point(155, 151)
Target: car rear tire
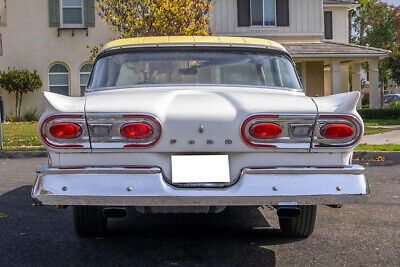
point(301, 226)
point(89, 220)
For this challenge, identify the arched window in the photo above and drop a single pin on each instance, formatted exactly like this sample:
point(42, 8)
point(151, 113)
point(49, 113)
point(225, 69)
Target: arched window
point(84, 75)
point(59, 79)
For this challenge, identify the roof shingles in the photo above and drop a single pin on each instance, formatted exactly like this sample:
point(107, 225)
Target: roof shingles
point(332, 49)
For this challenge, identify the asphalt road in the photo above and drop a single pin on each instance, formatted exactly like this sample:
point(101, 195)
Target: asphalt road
point(355, 235)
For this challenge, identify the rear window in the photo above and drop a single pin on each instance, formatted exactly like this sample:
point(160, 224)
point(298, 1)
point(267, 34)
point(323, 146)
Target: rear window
point(131, 69)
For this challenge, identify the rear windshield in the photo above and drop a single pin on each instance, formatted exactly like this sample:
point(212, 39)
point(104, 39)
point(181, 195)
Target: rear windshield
point(130, 69)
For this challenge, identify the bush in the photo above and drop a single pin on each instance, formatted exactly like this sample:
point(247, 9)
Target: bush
point(10, 117)
point(19, 82)
point(382, 113)
point(30, 115)
point(365, 100)
point(394, 104)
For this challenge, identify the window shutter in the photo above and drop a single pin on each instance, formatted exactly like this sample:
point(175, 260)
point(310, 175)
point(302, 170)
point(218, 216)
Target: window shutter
point(243, 11)
point(328, 24)
point(282, 11)
point(54, 13)
point(89, 13)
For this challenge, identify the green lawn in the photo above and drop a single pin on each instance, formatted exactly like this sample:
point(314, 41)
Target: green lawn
point(377, 122)
point(387, 147)
point(20, 136)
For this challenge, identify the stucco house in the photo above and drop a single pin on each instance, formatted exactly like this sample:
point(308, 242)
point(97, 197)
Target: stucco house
point(51, 36)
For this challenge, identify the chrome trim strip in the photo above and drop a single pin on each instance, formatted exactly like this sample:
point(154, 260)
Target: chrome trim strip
point(99, 170)
point(201, 201)
point(195, 44)
point(91, 90)
point(356, 169)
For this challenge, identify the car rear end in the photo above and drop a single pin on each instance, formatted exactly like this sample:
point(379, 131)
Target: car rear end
point(271, 159)
point(201, 145)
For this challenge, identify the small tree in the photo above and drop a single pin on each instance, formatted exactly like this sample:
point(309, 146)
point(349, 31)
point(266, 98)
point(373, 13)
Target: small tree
point(19, 82)
point(139, 18)
point(377, 24)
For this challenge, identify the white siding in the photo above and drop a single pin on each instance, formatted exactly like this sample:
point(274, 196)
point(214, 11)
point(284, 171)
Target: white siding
point(306, 19)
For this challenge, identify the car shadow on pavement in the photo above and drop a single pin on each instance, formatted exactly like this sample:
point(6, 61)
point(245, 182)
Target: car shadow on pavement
point(43, 235)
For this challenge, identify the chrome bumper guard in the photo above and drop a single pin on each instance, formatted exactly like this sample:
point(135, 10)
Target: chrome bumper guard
point(147, 186)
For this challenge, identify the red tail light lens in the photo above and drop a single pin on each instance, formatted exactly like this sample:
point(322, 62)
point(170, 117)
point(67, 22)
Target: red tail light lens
point(337, 130)
point(65, 130)
point(136, 130)
point(265, 130)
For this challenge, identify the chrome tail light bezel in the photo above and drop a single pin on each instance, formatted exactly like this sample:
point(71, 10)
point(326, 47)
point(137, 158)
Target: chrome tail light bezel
point(112, 124)
point(286, 139)
point(81, 141)
point(323, 120)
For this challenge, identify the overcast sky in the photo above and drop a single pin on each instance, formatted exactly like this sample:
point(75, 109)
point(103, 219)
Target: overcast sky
point(393, 2)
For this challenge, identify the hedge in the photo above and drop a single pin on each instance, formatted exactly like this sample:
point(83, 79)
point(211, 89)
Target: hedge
point(382, 113)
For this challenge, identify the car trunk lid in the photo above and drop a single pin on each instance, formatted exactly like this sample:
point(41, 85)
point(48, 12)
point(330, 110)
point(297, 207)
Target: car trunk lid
point(197, 119)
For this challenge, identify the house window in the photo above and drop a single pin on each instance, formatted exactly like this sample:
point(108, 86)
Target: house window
point(84, 75)
point(3, 12)
point(72, 12)
point(263, 12)
point(328, 21)
point(59, 79)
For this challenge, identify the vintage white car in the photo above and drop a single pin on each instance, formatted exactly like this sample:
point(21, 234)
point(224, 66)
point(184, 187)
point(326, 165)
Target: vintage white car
point(196, 124)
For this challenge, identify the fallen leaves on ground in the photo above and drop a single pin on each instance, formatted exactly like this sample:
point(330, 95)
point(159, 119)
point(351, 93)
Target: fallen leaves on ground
point(377, 158)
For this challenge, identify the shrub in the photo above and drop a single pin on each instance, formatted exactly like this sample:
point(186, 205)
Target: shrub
point(394, 104)
point(365, 100)
point(382, 113)
point(10, 117)
point(30, 115)
point(19, 82)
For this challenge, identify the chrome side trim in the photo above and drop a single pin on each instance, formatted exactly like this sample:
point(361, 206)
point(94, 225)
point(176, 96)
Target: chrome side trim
point(99, 170)
point(201, 201)
point(196, 44)
point(356, 169)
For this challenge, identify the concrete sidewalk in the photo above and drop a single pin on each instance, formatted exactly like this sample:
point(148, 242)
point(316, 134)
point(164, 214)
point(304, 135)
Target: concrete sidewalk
point(392, 137)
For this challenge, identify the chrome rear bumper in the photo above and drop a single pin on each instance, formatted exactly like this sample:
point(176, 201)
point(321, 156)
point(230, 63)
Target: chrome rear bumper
point(147, 186)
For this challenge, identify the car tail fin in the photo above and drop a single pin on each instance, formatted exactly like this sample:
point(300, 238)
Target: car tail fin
point(63, 123)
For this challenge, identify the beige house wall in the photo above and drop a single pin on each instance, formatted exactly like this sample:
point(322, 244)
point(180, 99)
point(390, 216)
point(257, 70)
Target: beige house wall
point(340, 23)
point(306, 22)
point(29, 43)
point(3, 13)
point(315, 78)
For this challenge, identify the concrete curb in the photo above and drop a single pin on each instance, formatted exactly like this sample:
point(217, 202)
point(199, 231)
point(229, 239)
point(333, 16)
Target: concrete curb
point(392, 155)
point(22, 154)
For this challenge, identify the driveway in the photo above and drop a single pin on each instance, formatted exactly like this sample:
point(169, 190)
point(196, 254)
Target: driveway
point(392, 137)
point(355, 235)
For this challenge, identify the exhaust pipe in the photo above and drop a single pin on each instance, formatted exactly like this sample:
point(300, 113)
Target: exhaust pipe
point(115, 212)
point(288, 212)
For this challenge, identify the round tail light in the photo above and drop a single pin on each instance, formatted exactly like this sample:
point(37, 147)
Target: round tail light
point(136, 130)
point(337, 130)
point(65, 130)
point(265, 130)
